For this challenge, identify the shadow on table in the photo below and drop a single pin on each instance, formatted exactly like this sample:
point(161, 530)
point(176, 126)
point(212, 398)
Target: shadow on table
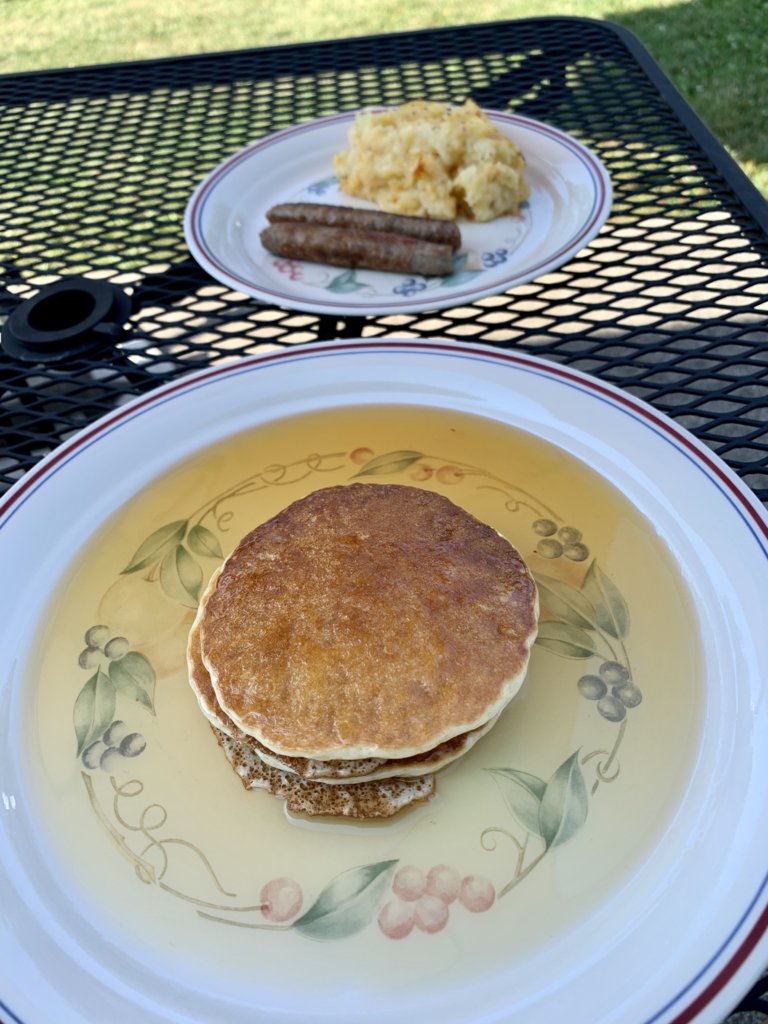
point(716, 53)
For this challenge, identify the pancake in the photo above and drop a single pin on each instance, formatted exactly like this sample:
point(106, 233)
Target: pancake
point(369, 770)
point(367, 621)
point(357, 800)
point(334, 772)
point(199, 677)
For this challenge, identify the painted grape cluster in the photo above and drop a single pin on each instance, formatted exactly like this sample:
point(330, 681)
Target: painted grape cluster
point(100, 644)
point(116, 743)
point(423, 899)
point(623, 693)
point(555, 542)
point(103, 739)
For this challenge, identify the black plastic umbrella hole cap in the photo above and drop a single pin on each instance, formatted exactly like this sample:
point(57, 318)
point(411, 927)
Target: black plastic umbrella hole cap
point(70, 318)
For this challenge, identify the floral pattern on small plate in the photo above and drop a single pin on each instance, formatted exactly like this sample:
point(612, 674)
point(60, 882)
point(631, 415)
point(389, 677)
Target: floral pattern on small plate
point(570, 200)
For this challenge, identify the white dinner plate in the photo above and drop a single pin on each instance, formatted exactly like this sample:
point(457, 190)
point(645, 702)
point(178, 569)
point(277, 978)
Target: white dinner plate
point(570, 200)
point(598, 855)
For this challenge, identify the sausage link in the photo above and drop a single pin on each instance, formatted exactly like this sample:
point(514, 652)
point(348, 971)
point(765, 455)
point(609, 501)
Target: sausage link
point(428, 229)
point(345, 247)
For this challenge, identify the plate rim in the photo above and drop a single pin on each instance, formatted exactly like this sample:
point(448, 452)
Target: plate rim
point(736, 490)
point(202, 254)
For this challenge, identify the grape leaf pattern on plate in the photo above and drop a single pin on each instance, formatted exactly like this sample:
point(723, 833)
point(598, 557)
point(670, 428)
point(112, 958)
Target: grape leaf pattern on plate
point(584, 618)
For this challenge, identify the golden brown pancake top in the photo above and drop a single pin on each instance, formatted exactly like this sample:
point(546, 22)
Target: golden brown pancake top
point(368, 620)
point(333, 770)
point(330, 771)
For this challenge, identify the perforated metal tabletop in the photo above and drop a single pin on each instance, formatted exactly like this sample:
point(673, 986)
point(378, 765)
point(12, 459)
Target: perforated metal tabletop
point(97, 165)
point(670, 301)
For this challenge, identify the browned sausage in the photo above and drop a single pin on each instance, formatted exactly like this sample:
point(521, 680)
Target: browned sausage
point(346, 247)
point(429, 229)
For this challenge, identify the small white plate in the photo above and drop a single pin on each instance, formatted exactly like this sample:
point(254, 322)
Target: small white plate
point(612, 850)
point(570, 200)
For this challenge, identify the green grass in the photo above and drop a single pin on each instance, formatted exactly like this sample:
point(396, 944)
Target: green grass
point(716, 51)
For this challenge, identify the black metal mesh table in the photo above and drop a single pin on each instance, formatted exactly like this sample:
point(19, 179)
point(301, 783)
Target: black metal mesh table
point(670, 301)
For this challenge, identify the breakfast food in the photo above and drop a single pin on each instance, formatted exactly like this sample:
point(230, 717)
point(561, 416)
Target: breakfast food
point(374, 250)
point(446, 232)
point(358, 800)
point(430, 159)
point(348, 237)
point(332, 771)
point(424, 164)
point(362, 639)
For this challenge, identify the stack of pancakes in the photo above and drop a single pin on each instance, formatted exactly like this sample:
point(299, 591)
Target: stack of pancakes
point(359, 641)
